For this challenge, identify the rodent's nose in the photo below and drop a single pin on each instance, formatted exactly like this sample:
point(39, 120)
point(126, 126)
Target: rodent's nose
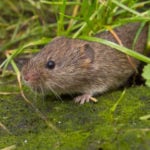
point(31, 77)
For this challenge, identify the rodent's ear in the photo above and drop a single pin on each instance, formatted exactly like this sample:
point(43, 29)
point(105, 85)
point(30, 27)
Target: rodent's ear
point(87, 54)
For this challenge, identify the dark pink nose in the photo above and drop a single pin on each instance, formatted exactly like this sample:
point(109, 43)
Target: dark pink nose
point(31, 77)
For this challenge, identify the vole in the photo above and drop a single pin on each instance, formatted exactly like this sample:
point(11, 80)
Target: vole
point(76, 66)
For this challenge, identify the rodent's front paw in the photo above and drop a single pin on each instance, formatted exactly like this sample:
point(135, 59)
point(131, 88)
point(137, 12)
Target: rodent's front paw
point(82, 98)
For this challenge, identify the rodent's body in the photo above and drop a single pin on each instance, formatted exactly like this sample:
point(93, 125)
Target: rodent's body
point(84, 67)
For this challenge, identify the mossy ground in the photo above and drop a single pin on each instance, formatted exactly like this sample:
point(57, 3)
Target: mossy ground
point(26, 26)
point(92, 126)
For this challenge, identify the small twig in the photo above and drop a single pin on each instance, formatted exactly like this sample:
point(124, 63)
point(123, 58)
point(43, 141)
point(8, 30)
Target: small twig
point(9, 147)
point(93, 99)
point(4, 128)
point(121, 44)
point(146, 117)
point(49, 124)
point(9, 93)
point(36, 109)
point(140, 129)
point(75, 11)
point(114, 107)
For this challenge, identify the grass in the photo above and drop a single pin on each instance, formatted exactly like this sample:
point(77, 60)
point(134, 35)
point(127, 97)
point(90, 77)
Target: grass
point(26, 26)
point(24, 23)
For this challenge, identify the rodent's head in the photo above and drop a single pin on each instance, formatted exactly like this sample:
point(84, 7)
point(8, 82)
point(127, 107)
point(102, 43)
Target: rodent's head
point(60, 66)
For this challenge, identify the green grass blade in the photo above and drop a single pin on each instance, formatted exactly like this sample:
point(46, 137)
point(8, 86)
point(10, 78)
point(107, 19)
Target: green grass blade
point(137, 34)
point(21, 49)
point(118, 47)
point(126, 8)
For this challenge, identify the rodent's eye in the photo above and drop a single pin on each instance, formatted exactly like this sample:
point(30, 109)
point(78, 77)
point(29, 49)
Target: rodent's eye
point(50, 64)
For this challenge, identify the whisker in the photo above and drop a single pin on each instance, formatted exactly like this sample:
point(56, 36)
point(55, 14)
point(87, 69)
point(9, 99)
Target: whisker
point(42, 91)
point(55, 93)
point(35, 94)
point(54, 83)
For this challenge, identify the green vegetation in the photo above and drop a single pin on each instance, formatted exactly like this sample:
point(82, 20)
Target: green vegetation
point(120, 120)
point(27, 24)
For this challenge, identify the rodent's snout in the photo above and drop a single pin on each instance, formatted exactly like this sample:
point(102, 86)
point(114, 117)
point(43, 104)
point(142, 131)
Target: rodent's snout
point(31, 77)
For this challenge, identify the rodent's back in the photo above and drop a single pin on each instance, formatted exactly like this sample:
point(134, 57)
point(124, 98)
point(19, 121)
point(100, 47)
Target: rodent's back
point(82, 66)
point(114, 65)
point(126, 34)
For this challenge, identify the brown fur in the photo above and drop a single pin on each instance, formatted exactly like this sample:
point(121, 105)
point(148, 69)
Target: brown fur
point(82, 66)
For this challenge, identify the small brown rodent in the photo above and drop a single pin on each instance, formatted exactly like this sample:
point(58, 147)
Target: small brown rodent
point(77, 66)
